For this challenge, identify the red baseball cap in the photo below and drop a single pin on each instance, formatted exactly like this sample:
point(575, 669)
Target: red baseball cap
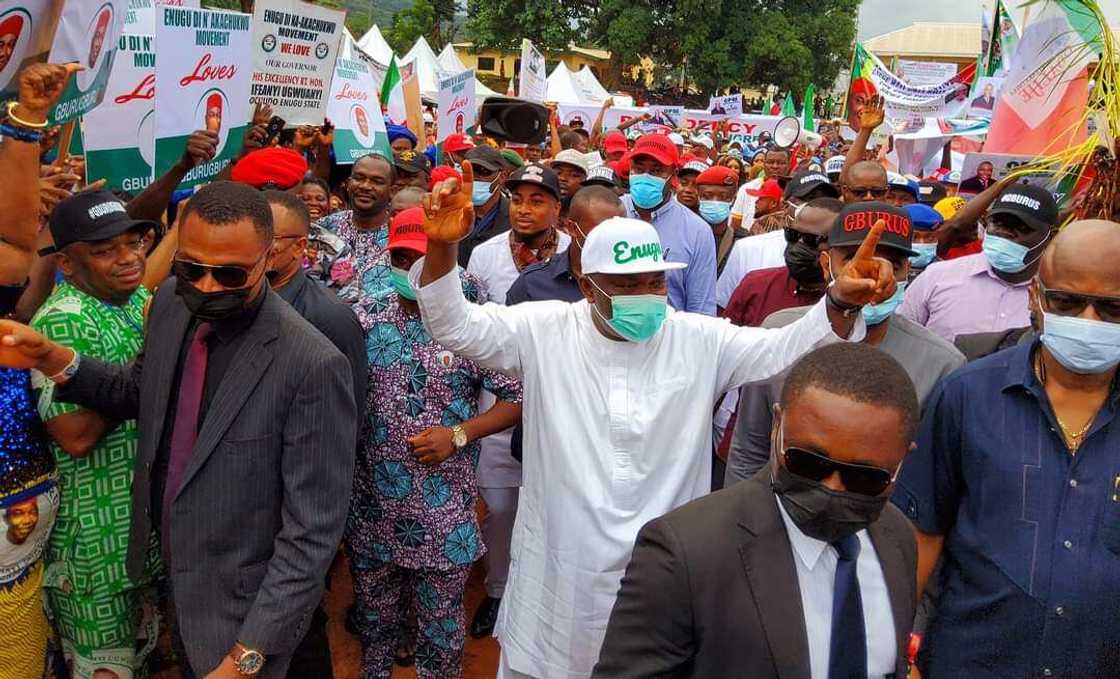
point(718, 175)
point(656, 146)
point(406, 231)
point(457, 142)
point(442, 172)
point(769, 189)
point(615, 141)
point(621, 167)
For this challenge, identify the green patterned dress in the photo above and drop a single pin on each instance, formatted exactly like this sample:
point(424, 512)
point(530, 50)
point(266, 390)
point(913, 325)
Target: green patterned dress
point(96, 607)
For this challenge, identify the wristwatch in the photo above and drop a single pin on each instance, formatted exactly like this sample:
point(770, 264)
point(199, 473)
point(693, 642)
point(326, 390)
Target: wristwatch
point(248, 661)
point(459, 437)
point(69, 371)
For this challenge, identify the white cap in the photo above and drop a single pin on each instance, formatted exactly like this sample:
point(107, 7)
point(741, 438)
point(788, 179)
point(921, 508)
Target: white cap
point(571, 157)
point(601, 172)
point(677, 139)
point(834, 165)
point(621, 245)
point(428, 118)
point(703, 140)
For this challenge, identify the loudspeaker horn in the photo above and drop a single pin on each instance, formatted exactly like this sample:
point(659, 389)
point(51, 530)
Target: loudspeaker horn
point(789, 132)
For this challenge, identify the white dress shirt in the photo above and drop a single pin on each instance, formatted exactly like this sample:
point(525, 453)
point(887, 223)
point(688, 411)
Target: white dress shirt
point(744, 202)
point(816, 575)
point(615, 435)
point(764, 251)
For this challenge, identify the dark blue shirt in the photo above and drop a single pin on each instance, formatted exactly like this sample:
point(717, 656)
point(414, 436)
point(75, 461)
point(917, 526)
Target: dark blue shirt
point(551, 280)
point(1031, 562)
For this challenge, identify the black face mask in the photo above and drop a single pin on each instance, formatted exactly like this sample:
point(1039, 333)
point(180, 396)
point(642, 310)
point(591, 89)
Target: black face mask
point(804, 264)
point(821, 512)
point(212, 306)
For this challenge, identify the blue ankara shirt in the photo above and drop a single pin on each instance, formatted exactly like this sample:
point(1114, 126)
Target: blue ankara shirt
point(685, 238)
point(551, 280)
point(1031, 562)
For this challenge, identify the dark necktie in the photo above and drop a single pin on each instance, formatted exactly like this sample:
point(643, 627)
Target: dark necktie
point(185, 431)
point(847, 653)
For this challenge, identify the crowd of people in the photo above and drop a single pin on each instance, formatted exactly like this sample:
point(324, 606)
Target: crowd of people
point(697, 407)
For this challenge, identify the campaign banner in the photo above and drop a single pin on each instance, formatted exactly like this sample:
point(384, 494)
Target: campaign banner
point(925, 73)
point(119, 135)
point(664, 119)
point(141, 16)
point(25, 34)
point(88, 32)
point(744, 129)
point(904, 103)
point(730, 106)
point(987, 94)
point(355, 110)
point(295, 45)
point(457, 110)
point(204, 85)
point(532, 80)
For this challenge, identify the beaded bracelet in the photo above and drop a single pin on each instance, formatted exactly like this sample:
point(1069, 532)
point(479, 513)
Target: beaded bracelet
point(20, 134)
point(23, 123)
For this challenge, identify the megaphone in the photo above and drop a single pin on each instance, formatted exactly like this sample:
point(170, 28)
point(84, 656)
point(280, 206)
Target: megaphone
point(788, 133)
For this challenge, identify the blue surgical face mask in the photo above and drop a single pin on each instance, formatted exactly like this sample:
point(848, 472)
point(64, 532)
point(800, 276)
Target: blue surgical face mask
point(926, 253)
point(715, 211)
point(1082, 345)
point(647, 190)
point(636, 318)
point(1005, 255)
point(481, 192)
point(874, 314)
point(399, 279)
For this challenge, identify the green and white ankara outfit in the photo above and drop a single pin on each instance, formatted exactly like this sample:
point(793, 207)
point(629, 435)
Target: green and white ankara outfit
point(616, 433)
point(96, 608)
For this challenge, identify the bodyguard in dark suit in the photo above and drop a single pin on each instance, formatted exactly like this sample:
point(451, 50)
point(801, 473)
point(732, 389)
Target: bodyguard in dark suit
point(803, 571)
point(247, 436)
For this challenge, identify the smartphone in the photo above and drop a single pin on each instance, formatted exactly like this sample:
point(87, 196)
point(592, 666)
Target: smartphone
point(275, 125)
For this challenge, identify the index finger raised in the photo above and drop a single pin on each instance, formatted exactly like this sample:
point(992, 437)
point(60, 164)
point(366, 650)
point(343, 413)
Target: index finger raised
point(468, 179)
point(866, 249)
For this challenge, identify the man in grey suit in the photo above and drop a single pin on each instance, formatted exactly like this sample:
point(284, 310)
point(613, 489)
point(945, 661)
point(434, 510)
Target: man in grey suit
point(805, 571)
point(247, 434)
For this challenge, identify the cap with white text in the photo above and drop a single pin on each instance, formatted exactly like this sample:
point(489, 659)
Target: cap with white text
point(1033, 205)
point(621, 245)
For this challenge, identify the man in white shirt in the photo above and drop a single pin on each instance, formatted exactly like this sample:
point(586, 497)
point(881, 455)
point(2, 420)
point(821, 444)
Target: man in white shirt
point(619, 391)
point(534, 212)
point(804, 570)
point(776, 164)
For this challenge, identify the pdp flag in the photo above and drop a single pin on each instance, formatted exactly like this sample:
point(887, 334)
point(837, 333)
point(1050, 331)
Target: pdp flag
point(392, 94)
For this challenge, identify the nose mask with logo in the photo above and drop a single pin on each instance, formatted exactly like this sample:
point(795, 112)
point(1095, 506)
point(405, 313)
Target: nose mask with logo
point(1082, 345)
point(399, 280)
point(481, 192)
point(636, 318)
point(212, 306)
point(926, 253)
point(804, 264)
point(715, 211)
point(647, 190)
point(1006, 255)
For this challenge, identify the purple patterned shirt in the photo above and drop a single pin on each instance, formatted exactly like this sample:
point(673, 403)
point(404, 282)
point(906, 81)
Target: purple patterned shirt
point(364, 270)
point(414, 515)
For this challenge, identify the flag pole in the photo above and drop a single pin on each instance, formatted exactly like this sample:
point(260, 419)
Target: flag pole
point(848, 89)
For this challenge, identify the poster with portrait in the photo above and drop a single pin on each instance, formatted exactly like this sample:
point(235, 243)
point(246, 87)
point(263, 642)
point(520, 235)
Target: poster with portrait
point(88, 33)
point(25, 525)
point(26, 28)
point(204, 85)
point(981, 170)
point(457, 110)
point(532, 80)
point(119, 134)
point(984, 97)
point(730, 106)
point(355, 110)
point(295, 45)
point(664, 119)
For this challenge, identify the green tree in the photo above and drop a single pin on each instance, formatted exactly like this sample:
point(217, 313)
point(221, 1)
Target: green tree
point(501, 24)
point(411, 23)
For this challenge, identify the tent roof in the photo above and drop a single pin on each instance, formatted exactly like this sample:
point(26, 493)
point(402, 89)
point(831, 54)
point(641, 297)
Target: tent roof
point(449, 61)
point(566, 87)
point(346, 47)
point(428, 71)
point(591, 84)
point(373, 44)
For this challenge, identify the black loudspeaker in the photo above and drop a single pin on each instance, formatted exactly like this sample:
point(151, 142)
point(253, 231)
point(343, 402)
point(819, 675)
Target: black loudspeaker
point(515, 120)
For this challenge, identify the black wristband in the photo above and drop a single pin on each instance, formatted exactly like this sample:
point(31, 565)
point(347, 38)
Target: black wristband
point(845, 309)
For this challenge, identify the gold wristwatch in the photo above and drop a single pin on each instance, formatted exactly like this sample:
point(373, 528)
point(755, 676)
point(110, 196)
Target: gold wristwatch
point(459, 437)
point(248, 661)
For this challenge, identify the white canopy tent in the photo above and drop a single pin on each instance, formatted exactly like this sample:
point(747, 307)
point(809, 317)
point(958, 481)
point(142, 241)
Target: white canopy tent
point(373, 44)
point(450, 62)
point(565, 87)
point(430, 69)
point(591, 84)
point(346, 47)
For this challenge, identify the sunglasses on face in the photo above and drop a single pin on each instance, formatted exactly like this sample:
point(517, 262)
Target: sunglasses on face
point(857, 478)
point(1065, 303)
point(227, 276)
point(875, 192)
point(812, 240)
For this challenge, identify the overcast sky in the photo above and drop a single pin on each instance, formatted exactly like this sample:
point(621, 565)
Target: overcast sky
point(880, 16)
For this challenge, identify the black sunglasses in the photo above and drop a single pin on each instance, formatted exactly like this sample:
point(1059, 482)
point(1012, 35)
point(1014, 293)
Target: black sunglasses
point(810, 239)
point(227, 276)
point(874, 192)
point(858, 478)
point(1073, 303)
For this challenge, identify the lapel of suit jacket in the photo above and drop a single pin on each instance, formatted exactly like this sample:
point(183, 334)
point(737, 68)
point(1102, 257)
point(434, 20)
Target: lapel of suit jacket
point(768, 561)
point(165, 338)
point(893, 563)
point(238, 383)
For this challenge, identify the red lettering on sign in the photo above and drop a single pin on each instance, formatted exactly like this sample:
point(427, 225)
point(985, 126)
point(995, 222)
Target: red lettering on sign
point(145, 90)
point(347, 93)
point(203, 71)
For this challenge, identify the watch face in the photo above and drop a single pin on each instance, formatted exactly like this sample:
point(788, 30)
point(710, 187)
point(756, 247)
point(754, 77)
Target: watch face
point(459, 438)
point(251, 662)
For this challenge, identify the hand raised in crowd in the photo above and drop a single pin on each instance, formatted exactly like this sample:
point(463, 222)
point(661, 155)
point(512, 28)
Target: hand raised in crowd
point(262, 113)
point(448, 211)
point(873, 114)
point(865, 279)
point(325, 139)
point(56, 187)
point(609, 102)
point(40, 86)
point(202, 147)
point(305, 137)
point(433, 445)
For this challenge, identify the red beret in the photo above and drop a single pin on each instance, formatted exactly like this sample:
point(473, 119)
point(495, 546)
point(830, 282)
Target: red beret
point(718, 175)
point(12, 25)
point(275, 165)
point(442, 172)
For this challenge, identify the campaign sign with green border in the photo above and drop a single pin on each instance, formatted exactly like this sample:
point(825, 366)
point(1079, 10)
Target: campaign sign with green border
point(203, 85)
point(355, 110)
point(120, 133)
point(88, 32)
point(21, 24)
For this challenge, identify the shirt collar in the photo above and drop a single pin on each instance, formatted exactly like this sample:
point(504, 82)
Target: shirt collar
point(668, 208)
point(807, 549)
point(981, 266)
point(560, 266)
point(294, 288)
point(1020, 371)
